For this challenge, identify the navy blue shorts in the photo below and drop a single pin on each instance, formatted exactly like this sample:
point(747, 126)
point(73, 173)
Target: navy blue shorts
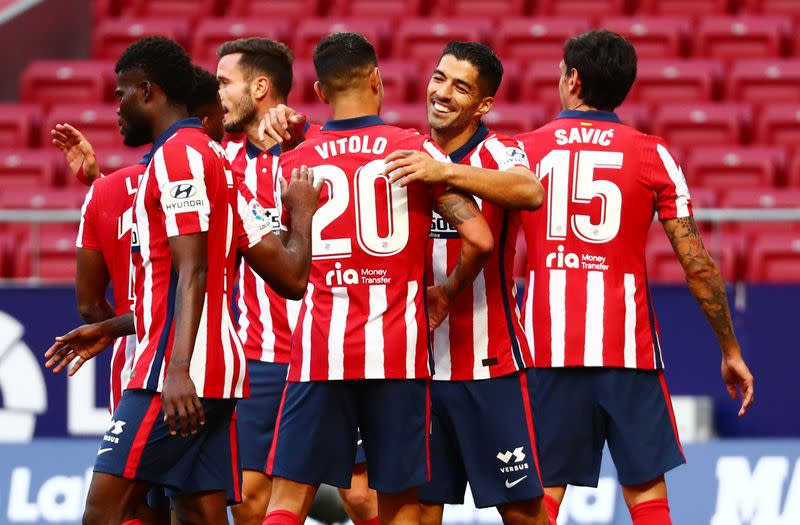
point(256, 415)
point(482, 433)
point(318, 425)
point(580, 409)
point(138, 446)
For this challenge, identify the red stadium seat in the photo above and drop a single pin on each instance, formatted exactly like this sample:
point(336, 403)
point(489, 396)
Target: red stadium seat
point(112, 36)
point(28, 168)
point(684, 7)
point(303, 78)
point(110, 160)
point(387, 9)
point(513, 119)
point(759, 81)
point(663, 265)
point(191, 9)
point(50, 256)
point(60, 81)
point(724, 167)
point(406, 116)
point(212, 32)
point(527, 39)
point(309, 31)
point(19, 125)
point(8, 250)
point(496, 9)
point(761, 198)
point(580, 7)
point(653, 36)
point(423, 39)
point(636, 115)
point(774, 258)
point(540, 83)
point(793, 173)
point(676, 80)
point(735, 37)
point(43, 198)
point(292, 10)
point(689, 125)
point(402, 81)
point(98, 122)
point(772, 7)
point(779, 124)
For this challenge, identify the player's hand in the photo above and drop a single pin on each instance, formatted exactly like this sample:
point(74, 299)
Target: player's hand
point(302, 192)
point(77, 151)
point(182, 409)
point(738, 379)
point(283, 125)
point(439, 304)
point(82, 343)
point(408, 166)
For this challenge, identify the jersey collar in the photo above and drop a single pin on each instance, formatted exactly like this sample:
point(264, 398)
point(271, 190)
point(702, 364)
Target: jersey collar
point(252, 150)
point(606, 116)
point(352, 123)
point(146, 159)
point(479, 136)
point(191, 122)
point(275, 150)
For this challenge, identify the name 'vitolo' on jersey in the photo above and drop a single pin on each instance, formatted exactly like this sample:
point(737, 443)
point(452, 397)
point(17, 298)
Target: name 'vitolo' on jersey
point(483, 335)
point(587, 301)
point(185, 190)
point(363, 315)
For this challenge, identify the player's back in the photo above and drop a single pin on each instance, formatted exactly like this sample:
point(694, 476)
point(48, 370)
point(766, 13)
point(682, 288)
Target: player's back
point(363, 315)
point(186, 190)
point(587, 302)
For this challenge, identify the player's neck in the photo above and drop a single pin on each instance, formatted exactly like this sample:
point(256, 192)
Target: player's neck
point(579, 105)
point(167, 118)
point(353, 105)
point(451, 139)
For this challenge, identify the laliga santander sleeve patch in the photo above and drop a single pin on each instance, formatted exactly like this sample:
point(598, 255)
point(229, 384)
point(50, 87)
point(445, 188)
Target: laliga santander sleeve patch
point(185, 196)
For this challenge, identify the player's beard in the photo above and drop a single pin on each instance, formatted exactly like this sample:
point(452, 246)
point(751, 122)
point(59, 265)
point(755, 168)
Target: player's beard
point(246, 113)
point(137, 131)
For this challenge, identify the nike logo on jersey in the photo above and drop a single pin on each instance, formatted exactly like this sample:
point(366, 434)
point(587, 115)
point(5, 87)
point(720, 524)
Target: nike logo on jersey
point(515, 482)
point(104, 450)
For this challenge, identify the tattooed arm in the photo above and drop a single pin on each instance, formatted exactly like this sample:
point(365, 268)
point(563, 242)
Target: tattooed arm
point(477, 244)
point(706, 285)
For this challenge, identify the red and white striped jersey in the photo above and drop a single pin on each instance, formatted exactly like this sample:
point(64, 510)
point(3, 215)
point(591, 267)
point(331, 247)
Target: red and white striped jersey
point(106, 221)
point(483, 336)
point(587, 301)
point(363, 315)
point(186, 189)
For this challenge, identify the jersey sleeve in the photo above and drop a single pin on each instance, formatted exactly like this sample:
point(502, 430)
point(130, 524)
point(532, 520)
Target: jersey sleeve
point(87, 232)
point(432, 149)
point(666, 179)
point(507, 153)
point(270, 194)
point(180, 173)
point(250, 222)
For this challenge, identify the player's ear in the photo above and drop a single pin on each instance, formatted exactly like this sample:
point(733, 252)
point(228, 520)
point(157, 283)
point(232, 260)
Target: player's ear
point(260, 87)
point(375, 81)
point(484, 106)
point(320, 93)
point(574, 81)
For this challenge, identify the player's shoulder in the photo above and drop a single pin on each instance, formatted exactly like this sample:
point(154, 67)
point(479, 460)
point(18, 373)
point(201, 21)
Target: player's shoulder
point(117, 179)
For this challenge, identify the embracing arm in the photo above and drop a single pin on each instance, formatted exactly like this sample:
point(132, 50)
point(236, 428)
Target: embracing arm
point(516, 188)
point(284, 268)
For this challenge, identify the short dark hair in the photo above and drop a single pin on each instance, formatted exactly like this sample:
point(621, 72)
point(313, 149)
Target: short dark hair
point(164, 62)
point(606, 64)
point(340, 59)
point(206, 88)
point(490, 69)
point(263, 56)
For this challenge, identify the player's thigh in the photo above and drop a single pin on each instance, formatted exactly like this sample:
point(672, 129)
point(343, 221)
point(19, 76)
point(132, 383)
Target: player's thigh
point(360, 501)
point(256, 489)
point(494, 428)
point(201, 509)
point(113, 498)
point(448, 479)
point(316, 433)
point(570, 427)
point(642, 434)
point(394, 418)
point(257, 414)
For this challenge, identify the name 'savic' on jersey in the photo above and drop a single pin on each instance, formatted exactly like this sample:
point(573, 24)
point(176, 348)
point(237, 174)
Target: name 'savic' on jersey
point(483, 335)
point(186, 190)
point(363, 315)
point(587, 301)
point(106, 222)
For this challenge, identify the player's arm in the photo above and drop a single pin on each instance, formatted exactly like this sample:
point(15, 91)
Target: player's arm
point(181, 405)
point(78, 152)
point(91, 284)
point(513, 188)
point(285, 266)
point(706, 285)
point(477, 244)
point(85, 342)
